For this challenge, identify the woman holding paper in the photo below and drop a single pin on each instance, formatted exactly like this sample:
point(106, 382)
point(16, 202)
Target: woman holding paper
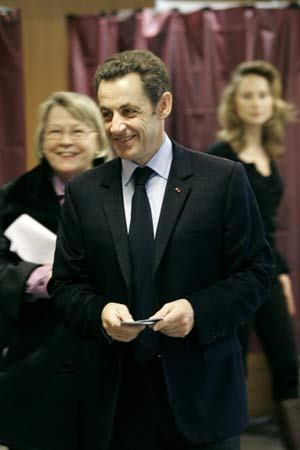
point(46, 400)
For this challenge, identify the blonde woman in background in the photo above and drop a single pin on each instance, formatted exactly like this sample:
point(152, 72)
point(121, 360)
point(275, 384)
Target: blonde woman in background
point(46, 398)
point(252, 116)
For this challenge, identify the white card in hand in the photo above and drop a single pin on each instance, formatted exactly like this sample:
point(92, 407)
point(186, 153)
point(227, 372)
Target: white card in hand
point(141, 322)
point(31, 240)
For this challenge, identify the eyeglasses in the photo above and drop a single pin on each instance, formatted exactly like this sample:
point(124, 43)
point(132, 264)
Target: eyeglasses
point(75, 134)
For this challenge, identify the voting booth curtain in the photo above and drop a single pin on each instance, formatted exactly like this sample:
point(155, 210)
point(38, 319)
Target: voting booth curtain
point(12, 129)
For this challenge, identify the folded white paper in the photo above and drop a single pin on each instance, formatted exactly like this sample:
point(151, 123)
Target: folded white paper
point(31, 240)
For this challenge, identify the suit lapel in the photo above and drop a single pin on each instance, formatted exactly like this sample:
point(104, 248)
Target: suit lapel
point(177, 192)
point(114, 209)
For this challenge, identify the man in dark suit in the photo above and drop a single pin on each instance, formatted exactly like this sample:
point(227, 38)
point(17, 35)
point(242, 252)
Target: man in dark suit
point(179, 382)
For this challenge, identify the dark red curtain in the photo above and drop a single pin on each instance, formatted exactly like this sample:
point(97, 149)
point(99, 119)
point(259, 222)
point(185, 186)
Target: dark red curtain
point(200, 50)
point(12, 132)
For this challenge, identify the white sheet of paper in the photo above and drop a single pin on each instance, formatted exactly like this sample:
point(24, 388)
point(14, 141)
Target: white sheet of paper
point(31, 240)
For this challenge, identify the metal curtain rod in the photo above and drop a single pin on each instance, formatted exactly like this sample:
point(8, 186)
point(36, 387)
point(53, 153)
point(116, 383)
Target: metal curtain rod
point(192, 5)
point(187, 6)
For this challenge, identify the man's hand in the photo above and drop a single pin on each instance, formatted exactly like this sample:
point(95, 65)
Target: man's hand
point(178, 318)
point(112, 316)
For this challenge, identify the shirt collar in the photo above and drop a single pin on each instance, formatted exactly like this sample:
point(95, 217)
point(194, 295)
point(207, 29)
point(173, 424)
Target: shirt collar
point(160, 162)
point(59, 185)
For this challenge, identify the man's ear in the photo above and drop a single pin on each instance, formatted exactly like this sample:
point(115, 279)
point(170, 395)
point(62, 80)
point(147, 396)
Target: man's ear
point(165, 105)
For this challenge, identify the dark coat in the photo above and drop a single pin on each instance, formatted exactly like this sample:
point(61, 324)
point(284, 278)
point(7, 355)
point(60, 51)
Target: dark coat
point(210, 248)
point(49, 390)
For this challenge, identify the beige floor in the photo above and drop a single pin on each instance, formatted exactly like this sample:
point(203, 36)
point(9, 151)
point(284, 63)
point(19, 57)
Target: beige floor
point(256, 442)
point(261, 435)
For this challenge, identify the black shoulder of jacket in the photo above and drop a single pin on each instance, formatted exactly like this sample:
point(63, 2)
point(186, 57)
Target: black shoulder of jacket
point(222, 149)
point(37, 176)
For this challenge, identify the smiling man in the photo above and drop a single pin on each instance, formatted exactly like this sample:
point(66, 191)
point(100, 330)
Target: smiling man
point(172, 236)
point(134, 125)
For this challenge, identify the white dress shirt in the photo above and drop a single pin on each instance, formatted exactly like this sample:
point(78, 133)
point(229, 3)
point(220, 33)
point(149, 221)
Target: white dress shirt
point(160, 163)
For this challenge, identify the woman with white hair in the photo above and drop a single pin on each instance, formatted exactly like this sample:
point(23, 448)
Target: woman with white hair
point(46, 397)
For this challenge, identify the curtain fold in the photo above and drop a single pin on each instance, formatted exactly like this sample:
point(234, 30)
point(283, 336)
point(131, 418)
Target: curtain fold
point(12, 130)
point(200, 50)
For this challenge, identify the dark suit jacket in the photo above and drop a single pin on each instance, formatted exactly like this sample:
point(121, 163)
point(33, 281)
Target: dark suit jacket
point(48, 394)
point(210, 248)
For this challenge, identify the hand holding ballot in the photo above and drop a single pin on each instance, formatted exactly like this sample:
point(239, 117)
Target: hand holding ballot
point(31, 240)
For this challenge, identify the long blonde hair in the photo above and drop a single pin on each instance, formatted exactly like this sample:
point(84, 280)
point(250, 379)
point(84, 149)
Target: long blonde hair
point(83, 108)
point(232, 127)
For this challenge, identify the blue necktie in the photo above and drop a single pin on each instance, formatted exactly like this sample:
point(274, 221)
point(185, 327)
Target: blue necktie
point(141, 239)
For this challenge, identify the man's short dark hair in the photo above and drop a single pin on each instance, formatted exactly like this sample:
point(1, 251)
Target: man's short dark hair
point(152, 70)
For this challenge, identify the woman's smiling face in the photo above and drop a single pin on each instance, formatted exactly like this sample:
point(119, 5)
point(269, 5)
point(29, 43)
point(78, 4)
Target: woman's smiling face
point(69, 144)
